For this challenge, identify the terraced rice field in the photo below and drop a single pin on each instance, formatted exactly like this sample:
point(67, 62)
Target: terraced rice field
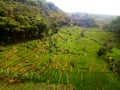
point(66, 59)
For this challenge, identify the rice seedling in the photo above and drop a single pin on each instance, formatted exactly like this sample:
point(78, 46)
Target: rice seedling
point(91, 69)
point(104, 68)
point(22, 66)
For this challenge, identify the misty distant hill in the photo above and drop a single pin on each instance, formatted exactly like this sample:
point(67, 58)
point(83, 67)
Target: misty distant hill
point(98, 19)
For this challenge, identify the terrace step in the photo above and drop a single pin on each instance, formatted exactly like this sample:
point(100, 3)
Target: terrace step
point(56, 87)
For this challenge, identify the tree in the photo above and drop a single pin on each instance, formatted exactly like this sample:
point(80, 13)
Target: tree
point(114, 27)
point(29, 19)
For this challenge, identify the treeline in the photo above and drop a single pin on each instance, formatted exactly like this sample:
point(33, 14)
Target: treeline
point(114, 27)
point(29, 19)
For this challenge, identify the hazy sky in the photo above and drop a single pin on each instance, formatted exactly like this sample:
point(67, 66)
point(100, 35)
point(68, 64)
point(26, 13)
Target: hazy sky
point(111, 7)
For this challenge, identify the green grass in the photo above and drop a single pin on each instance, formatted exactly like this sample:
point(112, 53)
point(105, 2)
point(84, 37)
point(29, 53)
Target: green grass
point(67, 58)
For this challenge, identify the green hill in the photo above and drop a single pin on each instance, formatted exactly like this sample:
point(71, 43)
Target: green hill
point(22, 20)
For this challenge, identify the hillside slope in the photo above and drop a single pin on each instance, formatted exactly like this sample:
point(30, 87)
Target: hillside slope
point(22, 20)
point(68, 58)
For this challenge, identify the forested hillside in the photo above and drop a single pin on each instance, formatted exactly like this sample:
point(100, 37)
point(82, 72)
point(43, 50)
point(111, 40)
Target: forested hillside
point(29, 19)
point(114, 26)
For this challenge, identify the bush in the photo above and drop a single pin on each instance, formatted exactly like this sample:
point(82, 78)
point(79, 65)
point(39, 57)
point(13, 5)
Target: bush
point(102, 51)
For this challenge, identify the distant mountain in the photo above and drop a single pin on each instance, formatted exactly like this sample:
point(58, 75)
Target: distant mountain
point(81, 19)
point(29, 19)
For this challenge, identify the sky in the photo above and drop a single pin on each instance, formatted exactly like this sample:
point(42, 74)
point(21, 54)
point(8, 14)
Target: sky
point(108, 7)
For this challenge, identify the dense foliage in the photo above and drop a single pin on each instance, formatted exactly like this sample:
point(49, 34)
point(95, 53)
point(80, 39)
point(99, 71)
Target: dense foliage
point(114, 25)
point(29, 19)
